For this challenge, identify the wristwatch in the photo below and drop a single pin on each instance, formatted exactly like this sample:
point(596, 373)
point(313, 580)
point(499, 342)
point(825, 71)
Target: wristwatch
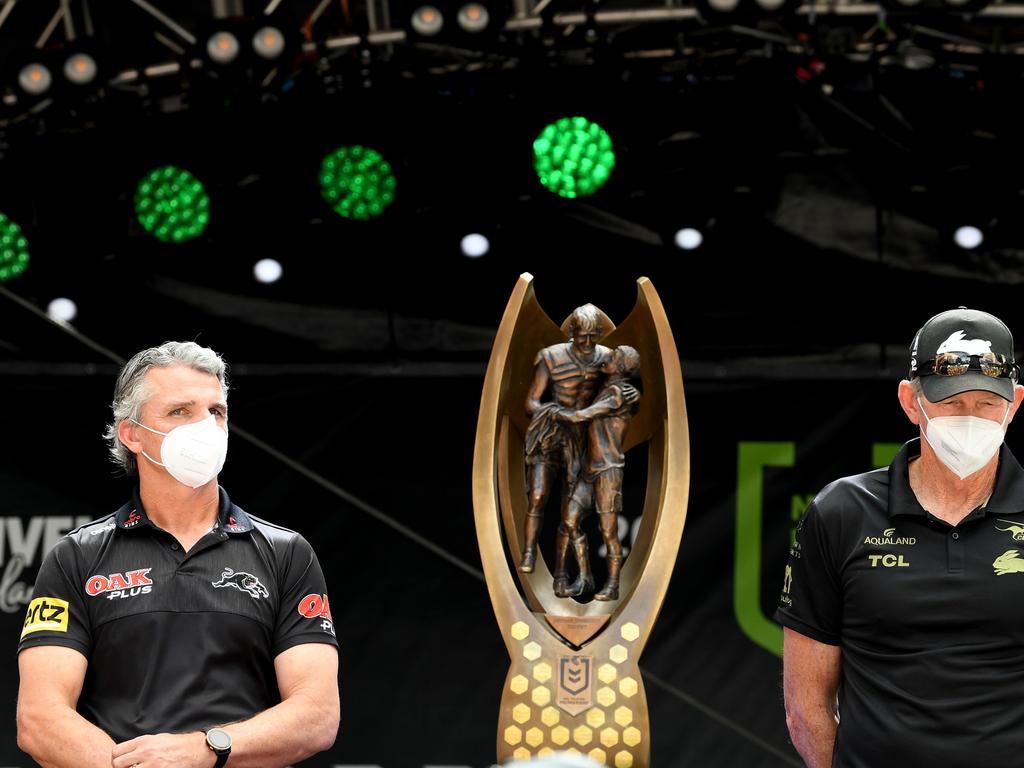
point(219, 742)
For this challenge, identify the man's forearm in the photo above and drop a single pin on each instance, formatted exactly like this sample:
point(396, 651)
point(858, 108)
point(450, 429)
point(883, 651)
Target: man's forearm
point(291, 731)
point(59, 737)
point(814, 735)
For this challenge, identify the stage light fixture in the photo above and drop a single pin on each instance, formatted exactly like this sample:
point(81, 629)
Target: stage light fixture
point(473, 18)
point(268, 43)
point(268, 270)
point(13, 249)
point(689, 238)
point(968, 237)
point(427, 20)
point(80, 69)
point(475, 245)
point(222, 47)
point(723, 6)
point(63, 310)
point(35, 79)
point(573, 157)
point(357, 182)
point(172, 204)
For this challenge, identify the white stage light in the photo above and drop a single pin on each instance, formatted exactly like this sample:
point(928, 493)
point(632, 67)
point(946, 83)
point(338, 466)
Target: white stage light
point(475, 245)
point(268, 43)
point(80, 69)
point(35, 79)
point(689, 238)
point(968, 237)
point(473, 17)
point(268, 270)
point(62, 310)
point(222, 47)
point(427, 20)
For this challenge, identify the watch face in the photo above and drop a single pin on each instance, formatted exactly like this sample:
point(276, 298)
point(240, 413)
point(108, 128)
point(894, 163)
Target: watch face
point(218, 739)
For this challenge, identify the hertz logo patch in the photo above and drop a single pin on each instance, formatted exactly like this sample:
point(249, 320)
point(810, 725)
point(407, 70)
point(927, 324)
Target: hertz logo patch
point(46, 613)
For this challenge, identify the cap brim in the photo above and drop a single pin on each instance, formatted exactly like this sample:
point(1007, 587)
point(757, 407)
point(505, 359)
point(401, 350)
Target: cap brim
point(938, 388)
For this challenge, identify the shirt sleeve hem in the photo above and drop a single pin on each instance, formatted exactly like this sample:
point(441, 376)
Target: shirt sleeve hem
point(63, 642)
point(803, 628)
point(295, 640)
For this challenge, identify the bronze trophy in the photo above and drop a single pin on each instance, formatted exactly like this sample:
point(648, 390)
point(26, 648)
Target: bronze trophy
point(559, 411)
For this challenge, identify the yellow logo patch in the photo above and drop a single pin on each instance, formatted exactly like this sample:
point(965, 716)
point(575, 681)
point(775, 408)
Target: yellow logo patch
point(46, 613)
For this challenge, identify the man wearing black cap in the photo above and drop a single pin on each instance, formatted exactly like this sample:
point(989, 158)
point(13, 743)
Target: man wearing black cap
point(904, 637)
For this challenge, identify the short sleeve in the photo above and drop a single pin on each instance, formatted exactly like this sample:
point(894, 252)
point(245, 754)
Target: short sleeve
point(304, 615)
point(811, 599)
point(56, 614)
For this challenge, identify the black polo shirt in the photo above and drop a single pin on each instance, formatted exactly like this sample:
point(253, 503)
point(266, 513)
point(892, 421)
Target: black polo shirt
point(929, 617)
point(178, 641)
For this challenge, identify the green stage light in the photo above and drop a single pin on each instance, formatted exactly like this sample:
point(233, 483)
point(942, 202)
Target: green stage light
point(357, 182)
point(172, 204)
point(573, 157)
point(13, 250)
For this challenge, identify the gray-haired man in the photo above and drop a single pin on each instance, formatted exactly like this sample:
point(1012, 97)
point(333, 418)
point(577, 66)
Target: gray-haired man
point(177, 631)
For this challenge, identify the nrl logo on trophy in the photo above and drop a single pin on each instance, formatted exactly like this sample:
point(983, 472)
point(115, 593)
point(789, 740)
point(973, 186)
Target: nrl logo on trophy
point(562, 406)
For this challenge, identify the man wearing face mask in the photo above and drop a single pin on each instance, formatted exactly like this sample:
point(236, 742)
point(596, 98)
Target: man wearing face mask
point(177, 631)
point(904, 642)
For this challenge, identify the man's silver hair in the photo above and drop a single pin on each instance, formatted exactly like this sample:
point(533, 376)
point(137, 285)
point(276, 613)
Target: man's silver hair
point(131, 393)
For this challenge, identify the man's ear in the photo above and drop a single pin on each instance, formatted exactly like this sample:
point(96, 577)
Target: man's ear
point(908, 401)
point(127, 433)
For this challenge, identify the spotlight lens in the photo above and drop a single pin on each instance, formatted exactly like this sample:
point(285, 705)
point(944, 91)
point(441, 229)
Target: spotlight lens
point(268, 43)
point(427, 20)
point(222, 47)
point(357, 182)
point(473, 17)
point(35, 79)
point(475, 245)
point(172, 204)
point(13, 250)
point(268, 270)
point(573, 157)
point(62, 310)
point(80, 69)
point(968, 237)
point(688, 238)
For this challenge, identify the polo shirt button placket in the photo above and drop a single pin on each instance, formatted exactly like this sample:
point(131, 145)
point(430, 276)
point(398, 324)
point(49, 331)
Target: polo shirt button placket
point(955, 553)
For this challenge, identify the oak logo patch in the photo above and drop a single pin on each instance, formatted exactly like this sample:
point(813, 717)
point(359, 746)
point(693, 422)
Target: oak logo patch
point(314, 606)
point(46, 613)
point(120, 585)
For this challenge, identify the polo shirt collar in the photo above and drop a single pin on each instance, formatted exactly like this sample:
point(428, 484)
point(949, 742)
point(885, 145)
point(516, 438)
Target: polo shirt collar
point(1007, 496)
point(230, 518)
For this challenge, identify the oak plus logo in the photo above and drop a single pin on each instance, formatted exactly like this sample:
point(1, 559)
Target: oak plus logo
point(314, 606)
point(24, 541)
point(117, 586)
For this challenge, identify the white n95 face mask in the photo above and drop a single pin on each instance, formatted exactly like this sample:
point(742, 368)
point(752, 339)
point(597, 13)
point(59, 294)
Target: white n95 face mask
point(965, 444)
point(192, 454)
